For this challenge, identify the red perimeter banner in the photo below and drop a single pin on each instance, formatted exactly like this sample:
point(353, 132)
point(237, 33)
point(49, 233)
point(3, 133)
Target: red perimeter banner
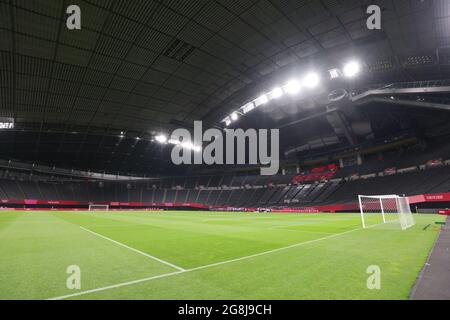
point(436, 197)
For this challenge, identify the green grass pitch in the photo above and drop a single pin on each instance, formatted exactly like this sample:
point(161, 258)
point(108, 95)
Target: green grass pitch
point(208, 255)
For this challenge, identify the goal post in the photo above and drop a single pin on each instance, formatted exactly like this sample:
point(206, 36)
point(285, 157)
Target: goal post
point(98, 207)
point(387, 208)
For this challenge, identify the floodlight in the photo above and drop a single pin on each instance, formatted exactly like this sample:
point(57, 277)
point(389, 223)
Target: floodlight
point(227, 122)
point(293, 87)
point(261, 100)
point(187, 145)
point(248, 107)
point(174, 141)
point(276, 93)
point(311, 80)
point(161, 138)
point(351, 69)
point(234, 116)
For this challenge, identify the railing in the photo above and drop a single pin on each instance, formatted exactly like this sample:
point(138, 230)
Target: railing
point(9, 164)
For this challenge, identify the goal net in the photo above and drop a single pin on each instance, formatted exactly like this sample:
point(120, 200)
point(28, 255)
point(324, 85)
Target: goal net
point(98, 207)
point(385, 208)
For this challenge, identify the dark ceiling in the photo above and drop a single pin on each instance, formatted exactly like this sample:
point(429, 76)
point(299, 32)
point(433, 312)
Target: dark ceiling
point(141, 67)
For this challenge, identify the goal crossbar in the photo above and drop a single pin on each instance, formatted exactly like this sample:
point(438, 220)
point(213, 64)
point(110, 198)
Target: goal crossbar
point(385, 205)
point(98, 207)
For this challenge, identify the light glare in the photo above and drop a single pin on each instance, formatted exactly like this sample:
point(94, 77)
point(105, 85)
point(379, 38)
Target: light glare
point(276, 93)
point(174, 141)
point(293, 87)
point(187, 145)
point(248, 107)
point(262, 100)
point(311, 80)
point(351, 69)
point(161, 138)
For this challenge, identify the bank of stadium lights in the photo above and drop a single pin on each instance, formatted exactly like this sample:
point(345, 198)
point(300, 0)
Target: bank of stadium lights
point(187, 145)
point(248, 107)
point(311, 80)
point(293, 87)
point(352, 69)
point(234, 116)
point(276, 93)
point(263, 99)
point(161, 138)
point(190, 146)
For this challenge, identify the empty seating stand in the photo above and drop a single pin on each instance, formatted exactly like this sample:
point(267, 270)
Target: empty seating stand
point(228, 191)
point(223, 198)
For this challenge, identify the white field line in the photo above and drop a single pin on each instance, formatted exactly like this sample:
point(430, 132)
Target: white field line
point(129, 283)
point(135, 250)
point(165, 275)
point(308, 221)
point(226, 220)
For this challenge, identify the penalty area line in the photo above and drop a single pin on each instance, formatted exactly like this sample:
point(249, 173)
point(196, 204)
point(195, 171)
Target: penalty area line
point(123, 284)
point(166, 275)
point(134, 250)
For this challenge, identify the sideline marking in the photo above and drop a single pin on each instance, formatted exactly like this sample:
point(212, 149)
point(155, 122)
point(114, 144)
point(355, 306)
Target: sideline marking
point(135, 250)
point(165, 275)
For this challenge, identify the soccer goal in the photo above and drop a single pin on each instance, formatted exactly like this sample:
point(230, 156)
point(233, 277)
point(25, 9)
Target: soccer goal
point(98, 207)
point(388, 208)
